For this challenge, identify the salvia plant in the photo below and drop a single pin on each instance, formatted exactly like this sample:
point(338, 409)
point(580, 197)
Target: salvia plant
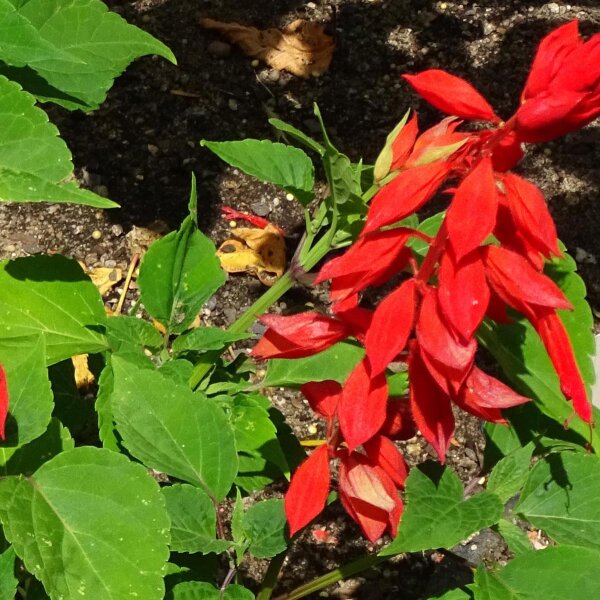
point(477, 308)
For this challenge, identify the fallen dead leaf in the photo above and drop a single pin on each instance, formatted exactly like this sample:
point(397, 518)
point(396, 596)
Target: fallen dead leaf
point(260, 252)
point(140, 239)
point(83, 376)
point(302, 47)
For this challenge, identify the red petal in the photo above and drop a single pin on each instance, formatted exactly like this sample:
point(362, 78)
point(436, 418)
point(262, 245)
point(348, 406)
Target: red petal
point(399, 423)
point(323, 396)
point(431, 407)
point(308, 491)
point(357, 319)
point(452, 95)
point(472, 214)
point(463, 292)
point(531, 215)
point(508, 153)
point(404, 142)
point(391, 326)
point(554, 335)
point(298, 335)
point(518, 284)
point(405, 194)
point(487, 391)
point(362, 406)
point(3, 402)
point(385, 454)
point(439, 136)
point(467, 401)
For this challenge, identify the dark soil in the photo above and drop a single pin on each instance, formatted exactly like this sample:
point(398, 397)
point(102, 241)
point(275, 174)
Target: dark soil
point(141, 147)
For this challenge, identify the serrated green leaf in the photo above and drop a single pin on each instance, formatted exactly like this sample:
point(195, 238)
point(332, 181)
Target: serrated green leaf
point(130, 331)
point(298, 135)
point(193, 520)
point(29, 391)
point(77, 46)
point(172, 429)
point(334, 363)
point(509, 475)
point(264, 525)
point(8, 581)
point(456, 594)
point(203, 339)
point(552, 574)
point(51, 296)
point(199, 590)
point(436, 515)
point(81, 531)
point(516, 539)
point(562, 497)
point(179, 273)
point(285, 166)
point(255, 472)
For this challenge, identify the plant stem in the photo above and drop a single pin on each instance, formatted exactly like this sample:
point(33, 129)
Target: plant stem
point(362, 564)
point(270, 579)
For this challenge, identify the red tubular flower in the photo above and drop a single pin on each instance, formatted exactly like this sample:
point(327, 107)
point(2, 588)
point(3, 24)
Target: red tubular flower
point(308, 491)
point(299, 335)
point(3, 402)
point(562, 92)
point(403, 144)
point(452, 95)
point(488, 392)
point(323, 396)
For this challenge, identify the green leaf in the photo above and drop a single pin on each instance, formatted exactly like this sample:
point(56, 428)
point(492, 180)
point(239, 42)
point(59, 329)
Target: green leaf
point(509, 475)
point(436, 515)
point(8, 581)
point(82, 532)
point(552, 574)
point(122, 331)
point(430, 227)
point(200, 590)
point(52, 296)
point(516, 539)
point(77, 46)
point(193, 520)
point(264, 525)
point(237, 526)
point(562, 497)
point(297, 135)
point(285, 166)
point(456, 594)
point(173, 430)
point(179, 273)
point(524, 360)
point(334, 363)
point(30, 457)
point(29, 391)
point(203, 339)
point(34, 161)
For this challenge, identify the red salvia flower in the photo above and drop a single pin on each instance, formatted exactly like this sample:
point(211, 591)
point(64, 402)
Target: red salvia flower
point(3, 402)
point(323, 396)
point(383, 453)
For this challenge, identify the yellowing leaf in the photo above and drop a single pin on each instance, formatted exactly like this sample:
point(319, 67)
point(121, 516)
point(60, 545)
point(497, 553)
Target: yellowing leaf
point(83, 376)
point(104, 278)
point(302, 47)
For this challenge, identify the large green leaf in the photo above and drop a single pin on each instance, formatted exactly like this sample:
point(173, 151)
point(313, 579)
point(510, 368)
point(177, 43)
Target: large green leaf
point(203, 339)
point(524, 360)
point(171, 429)
point(562, 497)
point(77, 46)
point(508, 476)
point(8, 581)
point(29, 391)
point(285, 166)
point(559, 573)
point(89, 523)
point(179, 273)
point(51, 296)
point(193, 520)
point(516, 539)
point(264, 526)
point(436, 514)
point(200, 590)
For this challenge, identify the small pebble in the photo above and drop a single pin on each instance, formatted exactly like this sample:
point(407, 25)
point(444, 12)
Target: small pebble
point(312, 429)
point(232, 224)
point(255, 63)
point(96, 234)
point(276, 202)
point(289, 197)
point(116, 229)
point(232, 103)
point(153, 149)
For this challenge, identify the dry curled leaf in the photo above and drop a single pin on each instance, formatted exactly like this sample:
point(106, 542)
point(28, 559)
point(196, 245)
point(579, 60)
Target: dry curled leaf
point(302, 47)
point(83, 376)
point(260, 252)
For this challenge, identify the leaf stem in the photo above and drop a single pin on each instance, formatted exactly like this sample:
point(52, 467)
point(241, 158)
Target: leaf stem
point(271, 576)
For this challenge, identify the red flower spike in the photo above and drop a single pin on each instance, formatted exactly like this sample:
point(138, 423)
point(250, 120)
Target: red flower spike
point(452, 95)
point(518, 284)
point(323, 396)
point(472, 214)
point(488, 392)
point(508, 153)
point(531, 215)
point(399, 423)
point(308, 491)
point(298, 335)
point(382, 452)
point(391, 326)
point(3, 402)
point(430, 406)
point(405, 194)
point(558, 345)
point(466, 400)
point(362, 407)
point(403, 144)
point(463, 292)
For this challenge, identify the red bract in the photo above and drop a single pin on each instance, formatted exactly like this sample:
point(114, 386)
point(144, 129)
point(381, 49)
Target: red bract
point(323, 396)
point(299, 335)
point(383, 453)
point(404, 142)
point(3, 402)
point(452, 95)
point(308, 491)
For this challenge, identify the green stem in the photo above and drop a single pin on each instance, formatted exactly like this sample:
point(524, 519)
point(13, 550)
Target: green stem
point(362, 564)
point(270, 579)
